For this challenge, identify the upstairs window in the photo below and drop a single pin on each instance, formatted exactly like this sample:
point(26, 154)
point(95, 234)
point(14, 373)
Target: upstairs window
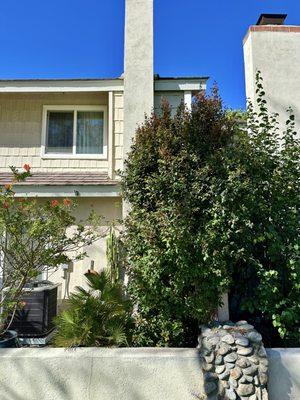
point(74, 131)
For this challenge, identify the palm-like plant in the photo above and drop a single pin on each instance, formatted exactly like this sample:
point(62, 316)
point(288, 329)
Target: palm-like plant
point(100, 316)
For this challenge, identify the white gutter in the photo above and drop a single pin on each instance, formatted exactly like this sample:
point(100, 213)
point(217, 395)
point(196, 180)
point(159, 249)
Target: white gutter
point(105, 85)
point(38, 86)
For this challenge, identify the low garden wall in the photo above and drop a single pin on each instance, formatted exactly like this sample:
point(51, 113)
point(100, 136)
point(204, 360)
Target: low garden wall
point(127, 374)
point(284, 374)
point(100, 374)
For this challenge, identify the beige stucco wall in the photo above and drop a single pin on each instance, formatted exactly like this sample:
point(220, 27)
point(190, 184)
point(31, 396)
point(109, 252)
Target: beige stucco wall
point(21, 130)
point(277, 55)
point(110, 209)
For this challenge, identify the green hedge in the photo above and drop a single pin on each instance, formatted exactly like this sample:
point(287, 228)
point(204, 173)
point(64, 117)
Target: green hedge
point(213, 206)
point(166, 181)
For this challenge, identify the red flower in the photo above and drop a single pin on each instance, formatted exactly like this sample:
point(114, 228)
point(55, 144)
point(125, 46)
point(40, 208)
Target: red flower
point(5, 205)
point(54, 203)
point(26, 167)
point(67, 202)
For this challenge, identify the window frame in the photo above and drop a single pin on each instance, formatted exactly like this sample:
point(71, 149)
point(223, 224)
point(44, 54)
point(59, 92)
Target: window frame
point(73, 155)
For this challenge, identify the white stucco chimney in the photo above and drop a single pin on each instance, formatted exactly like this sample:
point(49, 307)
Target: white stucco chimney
point(273, 48)
point(138, 64)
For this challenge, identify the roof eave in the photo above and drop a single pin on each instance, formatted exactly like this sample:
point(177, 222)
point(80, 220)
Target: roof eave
point(96, 85)
point(61, 85)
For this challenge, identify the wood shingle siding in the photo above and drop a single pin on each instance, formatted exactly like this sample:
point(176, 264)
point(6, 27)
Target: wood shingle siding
point(21, 129)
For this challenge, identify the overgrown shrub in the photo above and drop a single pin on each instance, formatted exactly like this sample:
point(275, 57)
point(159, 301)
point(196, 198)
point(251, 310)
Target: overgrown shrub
point(171, 280)
point(213, 205)
point(99, 316)
point(254, 227)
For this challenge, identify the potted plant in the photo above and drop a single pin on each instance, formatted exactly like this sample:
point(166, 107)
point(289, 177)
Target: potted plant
point(35, 237)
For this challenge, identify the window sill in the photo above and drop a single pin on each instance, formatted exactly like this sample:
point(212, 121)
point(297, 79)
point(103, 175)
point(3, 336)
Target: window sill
point(74, 157)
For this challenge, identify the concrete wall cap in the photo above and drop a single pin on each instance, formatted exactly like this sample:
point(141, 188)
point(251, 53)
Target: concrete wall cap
point(94, 352)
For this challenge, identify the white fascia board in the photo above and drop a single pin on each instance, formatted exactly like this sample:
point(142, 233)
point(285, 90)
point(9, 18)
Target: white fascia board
point(36, 86)
point(179, 85)
point(67, 191)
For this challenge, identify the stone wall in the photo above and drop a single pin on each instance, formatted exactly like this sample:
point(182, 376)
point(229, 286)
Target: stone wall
point(234, 362)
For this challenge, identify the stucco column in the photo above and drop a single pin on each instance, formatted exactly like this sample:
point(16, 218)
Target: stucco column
point(138, 76)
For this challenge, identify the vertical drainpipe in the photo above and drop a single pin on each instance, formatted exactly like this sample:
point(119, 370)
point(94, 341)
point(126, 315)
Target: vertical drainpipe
point(138, 69)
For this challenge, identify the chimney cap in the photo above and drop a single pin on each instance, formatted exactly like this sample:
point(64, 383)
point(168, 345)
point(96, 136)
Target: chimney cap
point(271, 19)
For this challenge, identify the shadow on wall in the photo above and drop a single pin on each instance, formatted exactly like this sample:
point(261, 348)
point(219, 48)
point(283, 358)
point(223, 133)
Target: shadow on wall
point(104, 374)
point(23, 378)
point(282, 386)
point(44, 380)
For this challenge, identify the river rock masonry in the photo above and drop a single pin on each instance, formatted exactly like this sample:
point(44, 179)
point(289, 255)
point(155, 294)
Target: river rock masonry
point(234, 362)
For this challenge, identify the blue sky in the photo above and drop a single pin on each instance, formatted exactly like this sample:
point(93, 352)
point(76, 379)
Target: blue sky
point(67, 39)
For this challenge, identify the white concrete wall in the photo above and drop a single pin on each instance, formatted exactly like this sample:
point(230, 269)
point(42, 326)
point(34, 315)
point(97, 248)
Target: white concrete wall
point(100, 374)
point(284, 374)
point(127, 374)
point(21, 130)
point(275, 51)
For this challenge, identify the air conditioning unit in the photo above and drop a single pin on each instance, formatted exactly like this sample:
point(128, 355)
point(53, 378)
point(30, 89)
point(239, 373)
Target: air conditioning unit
point(35, 319)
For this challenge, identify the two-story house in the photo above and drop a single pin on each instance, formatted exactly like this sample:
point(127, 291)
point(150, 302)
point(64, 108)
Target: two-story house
point(75, 133)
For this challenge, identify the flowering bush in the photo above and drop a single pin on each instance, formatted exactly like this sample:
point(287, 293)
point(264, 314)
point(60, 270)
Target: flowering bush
point(35, 237)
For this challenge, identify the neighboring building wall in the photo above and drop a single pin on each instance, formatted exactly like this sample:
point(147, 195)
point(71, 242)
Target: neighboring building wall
point(174, 99)
point(21, 130)
point(275, 51)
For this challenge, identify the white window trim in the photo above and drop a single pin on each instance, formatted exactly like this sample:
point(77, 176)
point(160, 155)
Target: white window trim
point(73, 156)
